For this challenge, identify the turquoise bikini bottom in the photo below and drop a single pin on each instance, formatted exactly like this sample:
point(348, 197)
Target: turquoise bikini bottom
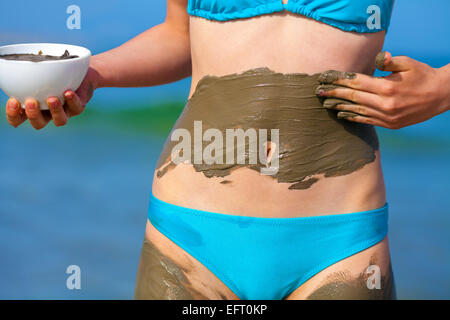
point(267, 258)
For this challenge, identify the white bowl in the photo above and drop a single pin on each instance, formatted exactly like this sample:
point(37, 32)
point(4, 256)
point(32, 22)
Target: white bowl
point(41, 80)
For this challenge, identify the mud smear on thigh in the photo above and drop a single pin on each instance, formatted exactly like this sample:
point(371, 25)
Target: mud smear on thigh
point(161, 278)
point(345, 286)
point(312, 141)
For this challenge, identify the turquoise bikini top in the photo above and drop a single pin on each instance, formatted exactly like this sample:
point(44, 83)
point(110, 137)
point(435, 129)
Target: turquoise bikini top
point(348, 15)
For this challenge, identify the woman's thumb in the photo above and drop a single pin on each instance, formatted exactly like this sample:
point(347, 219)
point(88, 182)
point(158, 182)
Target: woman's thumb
point(386, 62)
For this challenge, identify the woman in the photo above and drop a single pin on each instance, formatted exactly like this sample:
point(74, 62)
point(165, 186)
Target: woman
point(308, 220)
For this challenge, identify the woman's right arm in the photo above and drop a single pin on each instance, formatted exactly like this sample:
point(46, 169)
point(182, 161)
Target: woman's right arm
point(157, 56)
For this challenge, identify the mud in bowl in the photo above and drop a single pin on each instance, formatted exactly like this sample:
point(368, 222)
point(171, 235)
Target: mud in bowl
point(37, 57)
point(42, 70)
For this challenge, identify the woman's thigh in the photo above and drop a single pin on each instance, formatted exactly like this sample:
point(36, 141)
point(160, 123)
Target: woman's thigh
point(167, 272)
point(365, 275)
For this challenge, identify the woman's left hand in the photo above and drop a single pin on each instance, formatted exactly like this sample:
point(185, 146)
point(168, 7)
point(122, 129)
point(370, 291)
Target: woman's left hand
point(412, 93)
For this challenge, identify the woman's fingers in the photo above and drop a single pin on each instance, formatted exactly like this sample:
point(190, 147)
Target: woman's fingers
point(353, 80)
point(378, 85)
point(359, 113)
point(342, 105)
point(73, 104)
point(37, 118)
point(383, 116)
point(40, 118)
point(14, 113)
point(350, 116)
point(355, 96)
point(372, 100)
point(57, 111)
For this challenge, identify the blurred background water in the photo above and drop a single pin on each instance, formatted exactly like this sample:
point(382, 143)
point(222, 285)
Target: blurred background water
point(79, 194)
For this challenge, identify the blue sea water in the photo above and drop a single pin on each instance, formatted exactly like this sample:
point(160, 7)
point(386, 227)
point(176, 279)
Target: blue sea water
point(79, 196)
point(72, 198)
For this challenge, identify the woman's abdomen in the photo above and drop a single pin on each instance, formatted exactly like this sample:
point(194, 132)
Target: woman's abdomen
point(260, 143)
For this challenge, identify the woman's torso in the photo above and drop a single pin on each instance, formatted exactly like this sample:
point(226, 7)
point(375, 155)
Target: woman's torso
point(286, 43)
